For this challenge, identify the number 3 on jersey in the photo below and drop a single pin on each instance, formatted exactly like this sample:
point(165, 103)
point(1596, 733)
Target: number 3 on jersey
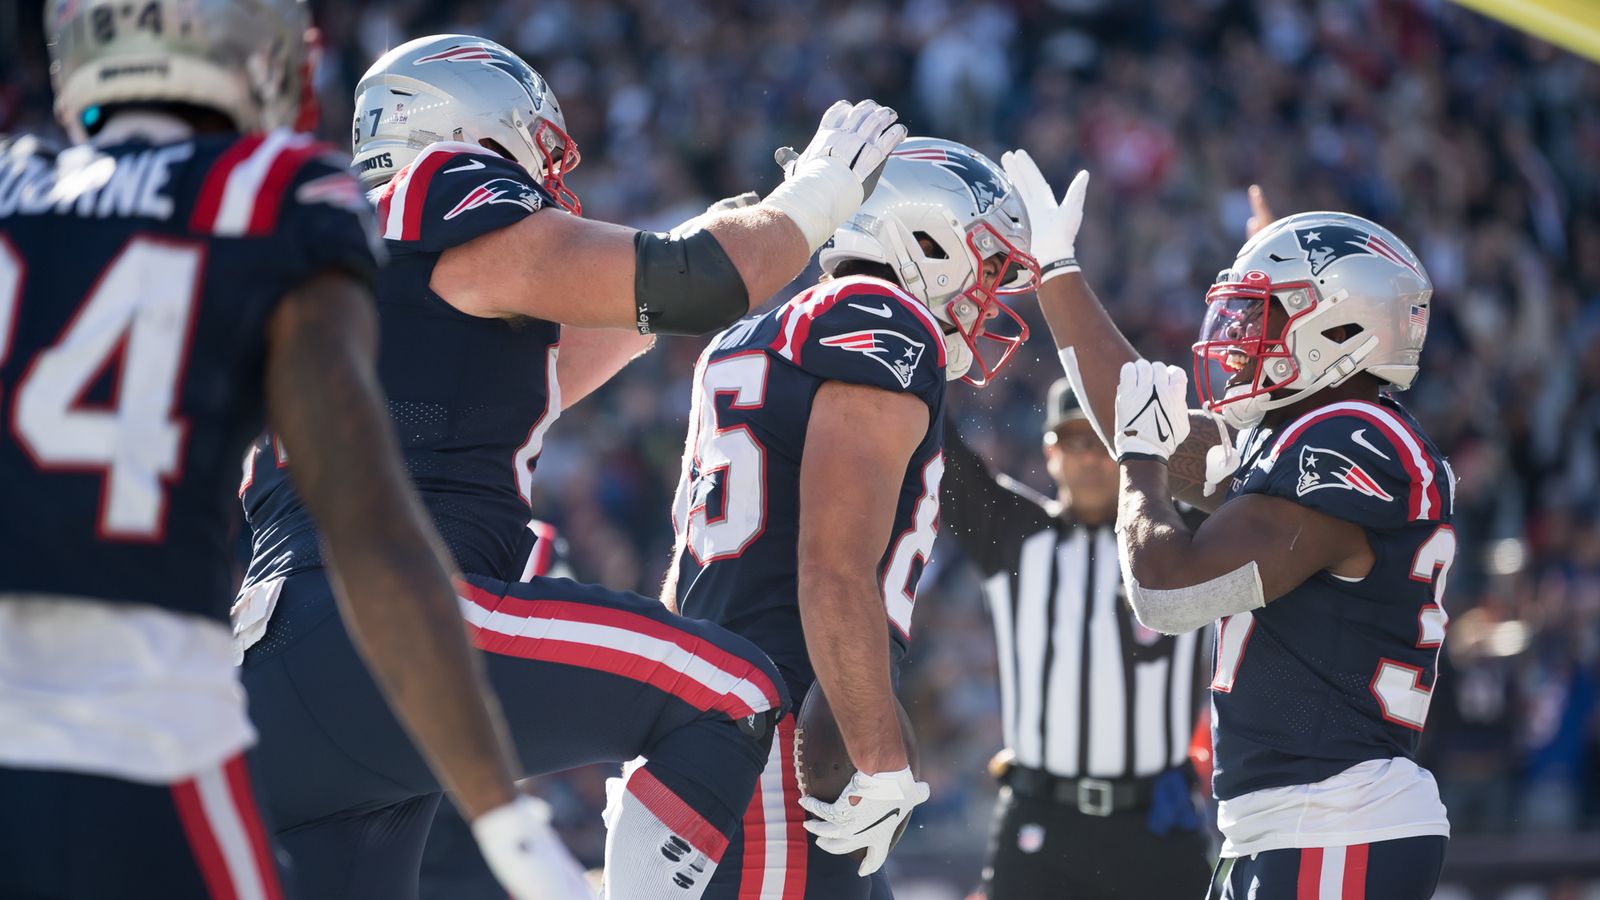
point(141, 310)
point(1395, 685)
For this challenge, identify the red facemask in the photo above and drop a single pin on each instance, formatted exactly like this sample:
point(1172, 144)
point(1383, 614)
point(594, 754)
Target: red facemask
point(1243, 333)
point(1018, 273)
point(558, 164)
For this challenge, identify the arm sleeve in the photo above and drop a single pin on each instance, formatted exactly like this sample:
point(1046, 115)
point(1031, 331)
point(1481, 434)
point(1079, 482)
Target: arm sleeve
point(988, 516)
point(1350, 468)
point(452, 193)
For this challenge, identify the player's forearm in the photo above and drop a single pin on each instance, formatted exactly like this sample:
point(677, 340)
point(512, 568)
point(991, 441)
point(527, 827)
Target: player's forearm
point(765, 245)
point(1079, 321)
point(1157, 546)
point(847, 640)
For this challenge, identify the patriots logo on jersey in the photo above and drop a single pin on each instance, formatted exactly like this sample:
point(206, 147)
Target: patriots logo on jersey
point(498, 190)
point(498, 59)
point(1322, 468)
point(982, 180)
point(898, 353)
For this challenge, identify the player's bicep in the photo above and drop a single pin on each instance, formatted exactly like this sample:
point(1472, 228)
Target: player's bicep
point(551, 266)
point(859, 442)
point(1289, 543)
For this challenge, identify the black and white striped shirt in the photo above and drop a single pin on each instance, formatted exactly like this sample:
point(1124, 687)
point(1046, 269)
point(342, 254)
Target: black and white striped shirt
point(1085, 690)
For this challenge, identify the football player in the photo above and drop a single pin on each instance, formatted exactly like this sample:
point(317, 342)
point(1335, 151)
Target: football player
point(189, 266)
point(492, 316)
point(809, 496)
point(1325, 558)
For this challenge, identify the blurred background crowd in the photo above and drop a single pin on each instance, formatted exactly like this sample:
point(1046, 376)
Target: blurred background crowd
point(1476, 144)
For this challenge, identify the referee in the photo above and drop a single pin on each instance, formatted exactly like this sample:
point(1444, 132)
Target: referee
point(1098, 710)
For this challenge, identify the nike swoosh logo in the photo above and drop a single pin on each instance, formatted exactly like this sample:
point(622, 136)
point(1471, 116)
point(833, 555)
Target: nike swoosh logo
point(888, 815)
point(1356, 437)
point(1158, 415)
point(875, 310)
point(466, 167)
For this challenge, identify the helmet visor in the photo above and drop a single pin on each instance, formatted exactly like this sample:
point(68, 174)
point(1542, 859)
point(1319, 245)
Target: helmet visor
point(1241, 352)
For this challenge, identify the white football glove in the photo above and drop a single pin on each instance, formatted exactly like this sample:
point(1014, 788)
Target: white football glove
point(886, 800)
point(1152, 410)
point(526, 855)
point(1054, 225)
point(825, 184)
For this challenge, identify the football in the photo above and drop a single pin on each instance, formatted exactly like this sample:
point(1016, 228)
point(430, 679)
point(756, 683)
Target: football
point(822, 765)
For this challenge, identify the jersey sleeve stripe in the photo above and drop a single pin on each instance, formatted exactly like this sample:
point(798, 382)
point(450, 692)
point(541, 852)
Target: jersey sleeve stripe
point(245, 188)
point(210, 199)
point(403, 203)
point(269, 199)
point(798, 318)
point(1424, 501)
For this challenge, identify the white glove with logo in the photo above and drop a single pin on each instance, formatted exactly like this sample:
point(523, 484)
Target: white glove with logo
point(1152, 411)
point(825, 184)
point(526, 855)
point(1054, 225)
point(885, 801)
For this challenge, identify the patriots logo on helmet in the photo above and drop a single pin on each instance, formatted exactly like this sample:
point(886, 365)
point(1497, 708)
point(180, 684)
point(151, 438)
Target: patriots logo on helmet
point(498, 190)
point(981, 179)
point(1322, 468)
point(497, 58)
point(898, 353)
point(1327, 244)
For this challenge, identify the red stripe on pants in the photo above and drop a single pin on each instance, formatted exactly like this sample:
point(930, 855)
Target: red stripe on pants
point(1355, 873)
point(1310, 887)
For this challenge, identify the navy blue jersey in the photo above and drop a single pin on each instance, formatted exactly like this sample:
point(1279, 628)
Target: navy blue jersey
point(1339, 671)
point(136, 282)
point(738, 506)
point(471, 397)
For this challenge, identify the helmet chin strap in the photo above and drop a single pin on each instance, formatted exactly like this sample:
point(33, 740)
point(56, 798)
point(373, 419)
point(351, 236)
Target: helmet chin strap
point(1248, 413)
point(957, 357)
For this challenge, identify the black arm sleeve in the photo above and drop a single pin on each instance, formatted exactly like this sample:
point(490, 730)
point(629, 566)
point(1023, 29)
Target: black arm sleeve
point(685, 284)
point(988, 515)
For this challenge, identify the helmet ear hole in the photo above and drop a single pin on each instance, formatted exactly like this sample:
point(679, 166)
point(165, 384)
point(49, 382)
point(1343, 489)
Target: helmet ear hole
point(1341, 333)
point(930, 247)
point(497, 147)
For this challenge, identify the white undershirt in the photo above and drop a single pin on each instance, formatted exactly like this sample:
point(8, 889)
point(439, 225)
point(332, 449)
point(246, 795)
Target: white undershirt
point(1377, 800)
point(118, 689)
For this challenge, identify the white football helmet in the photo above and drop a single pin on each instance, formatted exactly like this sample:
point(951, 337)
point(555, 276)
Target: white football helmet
point(250, 62)
point(454, 87)
point(963, 205)
point(1311, 300)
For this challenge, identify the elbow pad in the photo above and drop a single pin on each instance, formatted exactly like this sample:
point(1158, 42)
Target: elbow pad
point(1182, 610)
point(684, 283)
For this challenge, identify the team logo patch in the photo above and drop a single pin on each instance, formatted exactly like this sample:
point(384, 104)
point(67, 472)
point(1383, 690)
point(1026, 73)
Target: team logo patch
point(498, 190)
point(981, 179)
point(1322, 468)
point(338, 190)
point(1327, 244)
point(497, 58)
point(898, 353)
point(1030, 838)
